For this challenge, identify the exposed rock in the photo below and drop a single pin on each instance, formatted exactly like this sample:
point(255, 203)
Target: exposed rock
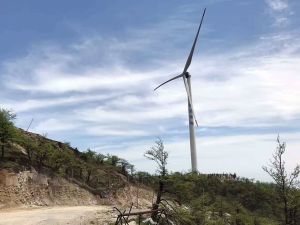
point(32, 188)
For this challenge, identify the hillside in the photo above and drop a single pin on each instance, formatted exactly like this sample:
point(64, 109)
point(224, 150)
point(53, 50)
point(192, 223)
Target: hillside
point(35, 189)
point(38, 171)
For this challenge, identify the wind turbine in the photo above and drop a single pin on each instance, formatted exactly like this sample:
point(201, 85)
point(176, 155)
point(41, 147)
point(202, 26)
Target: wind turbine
point(191, 113)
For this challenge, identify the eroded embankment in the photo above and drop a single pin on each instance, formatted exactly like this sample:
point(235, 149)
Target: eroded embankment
point(32, 188)
point(29, 188)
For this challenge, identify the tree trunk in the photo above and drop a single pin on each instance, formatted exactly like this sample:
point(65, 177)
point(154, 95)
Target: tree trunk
point(158, 200)
point(286, 216)
point(89, 172)
point(40, 163)
point(296, 217)
point(286, 212)
point(293, 216)
point(29, 157)
point(80, 173)
point(2, 151)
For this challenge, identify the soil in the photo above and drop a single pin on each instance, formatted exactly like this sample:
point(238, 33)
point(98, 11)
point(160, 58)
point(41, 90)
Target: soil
point(30, 198)
point(32, 188)
point(76, 215)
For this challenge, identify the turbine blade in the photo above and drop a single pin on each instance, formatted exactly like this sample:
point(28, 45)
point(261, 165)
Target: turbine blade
point(168, 81)
point(189, 60)
point(190, 99)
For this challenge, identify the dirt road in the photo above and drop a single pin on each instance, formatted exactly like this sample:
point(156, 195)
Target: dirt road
point(76, 215)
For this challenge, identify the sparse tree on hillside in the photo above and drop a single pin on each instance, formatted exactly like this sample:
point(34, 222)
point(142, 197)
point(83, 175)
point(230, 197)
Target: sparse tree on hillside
point(112, 159)
point(7, 129)
point(131, 169)
point(71, 165)
point(59, 158)
point(124, 166)
point(43, 152)
point(160, 156)
point(90, 168)
point(90, 158)
point(31, 149)
point(100, 158)
point(286, 183)
point(89, 155)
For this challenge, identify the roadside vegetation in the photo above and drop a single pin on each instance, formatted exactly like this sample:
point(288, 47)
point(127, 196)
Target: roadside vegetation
point(226, 199)
point(188, 198)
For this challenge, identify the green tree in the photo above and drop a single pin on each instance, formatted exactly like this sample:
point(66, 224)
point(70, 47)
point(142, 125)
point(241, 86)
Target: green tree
point(90, 159)
point(157, 154)
point(7, 129)
point(43, 151)
point(30, 148)
point(89, 170)
point(100, 158)
point(286, 183)
point(112, 159)
point(125, 166)
point(89, 155)
point(59, 158)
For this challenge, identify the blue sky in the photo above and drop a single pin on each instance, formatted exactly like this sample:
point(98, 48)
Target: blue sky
point(85, 71)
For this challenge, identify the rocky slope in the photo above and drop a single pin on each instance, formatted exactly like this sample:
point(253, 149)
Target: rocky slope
point(32, 188)
point(29, 188)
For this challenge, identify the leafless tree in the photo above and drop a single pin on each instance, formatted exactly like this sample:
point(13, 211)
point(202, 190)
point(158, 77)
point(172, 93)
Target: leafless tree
point(286, 183)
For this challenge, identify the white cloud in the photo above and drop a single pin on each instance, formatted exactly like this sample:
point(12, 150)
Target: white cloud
point(278, 5)
point(117, 115)
point(253, 86)
point(281, 21)
point(242, 154)
point(33, 104)
point(55, 125)
point(114, 131)
point(280, 11)
point(229, 89)
point(55, 81)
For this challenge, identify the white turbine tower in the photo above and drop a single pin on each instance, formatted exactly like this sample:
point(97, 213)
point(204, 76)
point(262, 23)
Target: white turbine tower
point(187, 83)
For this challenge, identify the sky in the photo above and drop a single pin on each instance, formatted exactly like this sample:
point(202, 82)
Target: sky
point(85, 71)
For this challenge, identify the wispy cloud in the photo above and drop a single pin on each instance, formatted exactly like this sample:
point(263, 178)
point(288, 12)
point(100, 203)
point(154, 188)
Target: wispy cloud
point(278, 5)
point(279, 11)
point(101, 90)
point(242, 154)
point(264, 73)
point(55, 125)
point(249, 87)
point(41, 103)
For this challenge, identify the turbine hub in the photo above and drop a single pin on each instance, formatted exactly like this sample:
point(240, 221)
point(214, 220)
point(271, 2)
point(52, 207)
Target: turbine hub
point(187, 74)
